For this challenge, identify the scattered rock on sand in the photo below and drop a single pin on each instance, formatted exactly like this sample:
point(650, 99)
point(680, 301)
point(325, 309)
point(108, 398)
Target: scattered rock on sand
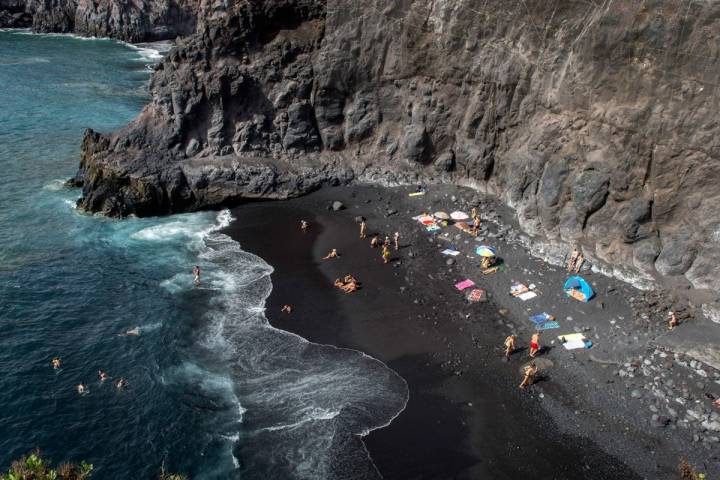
point(337, 206)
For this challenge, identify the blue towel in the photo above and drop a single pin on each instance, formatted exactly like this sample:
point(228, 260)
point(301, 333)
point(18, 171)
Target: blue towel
point(548, 326)
point(539, 318)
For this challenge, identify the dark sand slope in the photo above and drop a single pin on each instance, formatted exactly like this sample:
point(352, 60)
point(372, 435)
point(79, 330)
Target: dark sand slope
point(466, 417)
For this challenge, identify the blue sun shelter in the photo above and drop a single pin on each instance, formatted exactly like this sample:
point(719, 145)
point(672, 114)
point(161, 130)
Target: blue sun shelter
point(578, 288)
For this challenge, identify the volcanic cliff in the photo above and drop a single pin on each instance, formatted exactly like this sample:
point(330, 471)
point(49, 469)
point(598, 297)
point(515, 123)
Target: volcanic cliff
point(594, 120)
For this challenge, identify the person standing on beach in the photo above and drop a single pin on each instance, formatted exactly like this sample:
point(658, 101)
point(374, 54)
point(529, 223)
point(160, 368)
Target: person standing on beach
point(529, 378)
point(375, 241)
point(363, 228)
point(396, 237)
point(473, 212)
point(672, 320)
point(386, 254)
point(196, 273)
point(572, 259)
point(534, 344)
point(386, 243)
point(509, 345)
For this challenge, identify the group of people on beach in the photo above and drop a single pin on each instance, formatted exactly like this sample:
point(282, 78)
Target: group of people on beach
point(81, 388)
point(531, 369)
point(375, 241)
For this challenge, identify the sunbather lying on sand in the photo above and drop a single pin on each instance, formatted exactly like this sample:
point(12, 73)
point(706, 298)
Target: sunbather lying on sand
point(339, 283)
point(350, 287)
point(333, 254)
point(518, 289)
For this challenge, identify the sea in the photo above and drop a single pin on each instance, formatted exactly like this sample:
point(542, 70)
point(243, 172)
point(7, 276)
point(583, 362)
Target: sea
point(213, 391)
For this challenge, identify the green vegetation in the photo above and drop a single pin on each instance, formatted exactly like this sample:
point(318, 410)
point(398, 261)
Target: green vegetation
point(33, 467)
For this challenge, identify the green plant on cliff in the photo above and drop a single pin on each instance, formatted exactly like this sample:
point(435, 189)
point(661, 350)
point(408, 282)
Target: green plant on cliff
point(33, 467)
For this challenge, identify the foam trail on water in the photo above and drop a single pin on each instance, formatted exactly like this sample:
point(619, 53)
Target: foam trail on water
point(307, 404)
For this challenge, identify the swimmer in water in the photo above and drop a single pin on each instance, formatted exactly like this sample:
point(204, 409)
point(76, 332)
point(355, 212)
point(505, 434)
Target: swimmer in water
point(196, 273)
point(134, 332)
point(56, 363)
point(103, 376)
point(122, 383)
point(304, 226)
point(81, 389)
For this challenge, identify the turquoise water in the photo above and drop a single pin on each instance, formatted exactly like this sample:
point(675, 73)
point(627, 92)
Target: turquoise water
point(213, 390)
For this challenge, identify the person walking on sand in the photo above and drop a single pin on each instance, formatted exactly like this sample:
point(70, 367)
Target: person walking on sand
point(56, 363)
point(509, 345)
point(529, 378)
point(375, 241)
point(304, 226)
point(286, 309)
point(386, 254)
point(396, 237)
point(386, 243)
point(196, 274)
point(534, 344)
point(333, 254)
point(476, 225)
point(363, 229)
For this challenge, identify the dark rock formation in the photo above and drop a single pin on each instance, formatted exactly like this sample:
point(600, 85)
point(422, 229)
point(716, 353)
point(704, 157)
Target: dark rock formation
point(595, 121)
point(13, 14)
point(141, 21)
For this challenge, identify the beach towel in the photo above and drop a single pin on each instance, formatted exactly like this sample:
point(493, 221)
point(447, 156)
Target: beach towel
point(570, 337)
point(517, 289)
point(464, 284)
point(540, 318)
point(477, 295)
point(448, 251)
point(574, 345)
point(527, 296)
point(432, 228)
point(427, 222)
point(416, 194)
point(462, 226)
point(548, 326)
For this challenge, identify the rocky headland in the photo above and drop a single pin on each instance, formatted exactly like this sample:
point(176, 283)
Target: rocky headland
point(595, 123)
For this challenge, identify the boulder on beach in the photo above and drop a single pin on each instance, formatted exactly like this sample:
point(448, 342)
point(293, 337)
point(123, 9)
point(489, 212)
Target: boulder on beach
point(337, 206)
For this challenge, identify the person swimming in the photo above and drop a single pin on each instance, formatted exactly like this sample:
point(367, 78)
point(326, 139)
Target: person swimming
point(286, 309)
point(304, 226)
point(196, 273)
point(133, 332)
point(56, 363)
point(121, 383)
point(103, 376)
point(81, 389)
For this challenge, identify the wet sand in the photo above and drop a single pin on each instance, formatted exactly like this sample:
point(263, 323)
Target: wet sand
point(465, 418)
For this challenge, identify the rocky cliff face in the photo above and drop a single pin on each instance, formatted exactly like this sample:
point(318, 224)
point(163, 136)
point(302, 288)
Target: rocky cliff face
point(596, 121)
point(137, 21)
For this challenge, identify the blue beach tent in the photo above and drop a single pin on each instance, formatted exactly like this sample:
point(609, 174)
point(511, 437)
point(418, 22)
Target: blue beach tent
point(578, 283)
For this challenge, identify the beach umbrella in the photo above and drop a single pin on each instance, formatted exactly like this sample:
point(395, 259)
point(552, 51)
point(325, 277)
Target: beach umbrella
point(459, 216)
point(442, 216)
point(485, 251)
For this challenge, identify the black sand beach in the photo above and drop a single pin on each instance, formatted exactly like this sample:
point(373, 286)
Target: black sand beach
point(466, 417)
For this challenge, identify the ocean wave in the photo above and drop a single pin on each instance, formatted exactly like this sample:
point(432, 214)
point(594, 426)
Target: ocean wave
point(26, 61)
point(306, 402)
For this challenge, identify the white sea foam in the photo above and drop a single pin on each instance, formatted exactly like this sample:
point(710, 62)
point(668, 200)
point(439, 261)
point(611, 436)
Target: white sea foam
point(55, 185)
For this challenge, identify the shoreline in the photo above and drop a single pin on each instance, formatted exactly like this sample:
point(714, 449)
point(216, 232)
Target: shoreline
point(465, 417)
